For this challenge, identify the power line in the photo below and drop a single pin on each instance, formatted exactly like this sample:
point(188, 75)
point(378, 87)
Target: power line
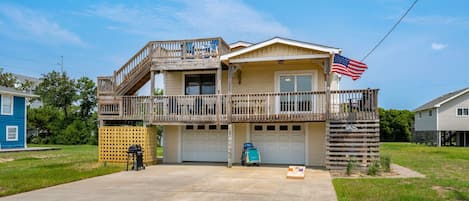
point(389, 32)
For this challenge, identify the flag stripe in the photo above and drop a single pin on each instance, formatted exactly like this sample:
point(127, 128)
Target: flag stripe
point(348, 67)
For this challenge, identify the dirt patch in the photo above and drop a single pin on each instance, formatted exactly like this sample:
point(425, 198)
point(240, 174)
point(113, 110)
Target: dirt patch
point(4, 160)
point(43, 156)
point(441, 190)
point(397, 171)
point(86, 166)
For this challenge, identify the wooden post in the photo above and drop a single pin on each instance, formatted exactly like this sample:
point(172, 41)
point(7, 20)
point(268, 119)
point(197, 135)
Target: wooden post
point(152, 95)
point(228, 113)
point(438, 138)
point(327, 71)
point(219, 105)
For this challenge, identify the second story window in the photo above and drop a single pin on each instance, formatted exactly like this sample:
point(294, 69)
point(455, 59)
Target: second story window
point(7, 105)
point(420, 115)
point(462, 112)
point(430, 113)
point(197, 84)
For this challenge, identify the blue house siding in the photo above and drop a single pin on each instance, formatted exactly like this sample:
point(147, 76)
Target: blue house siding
point(17, 119)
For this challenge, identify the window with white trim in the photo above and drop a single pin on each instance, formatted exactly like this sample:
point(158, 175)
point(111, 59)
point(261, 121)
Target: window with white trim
point(292, 84)
point(12, 133)
point(462, 112)
point(430, 113)
point(7, 105)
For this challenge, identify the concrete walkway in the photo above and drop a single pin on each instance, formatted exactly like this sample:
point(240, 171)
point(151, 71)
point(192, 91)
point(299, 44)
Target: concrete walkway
point(192, 182)
point(28, 149)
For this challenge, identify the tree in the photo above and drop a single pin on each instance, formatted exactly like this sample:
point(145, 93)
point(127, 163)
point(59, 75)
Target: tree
point(58, 90)
point(158, 92)
point(395, 125)
point(7, 79)
point(86, 96)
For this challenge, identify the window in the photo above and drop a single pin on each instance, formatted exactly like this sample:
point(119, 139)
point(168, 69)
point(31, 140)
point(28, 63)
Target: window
point(12, 133)
point(283, 127)
point(270, 127)
point(462, 112)
point(296, 127)
point(430, 112)
point(420, 115)
point(196, 84)
point(189, 127)
point(212, 127)
point(224, 127)
point(295, 83)
point(7, 105)
point(201, 127)
point(257, 127)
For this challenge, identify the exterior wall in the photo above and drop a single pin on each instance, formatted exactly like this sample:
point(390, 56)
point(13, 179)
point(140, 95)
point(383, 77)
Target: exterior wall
point(255, 77)
point(316, 143)
point(171, 144)
point(448, 121)
point(239, 140)
point(17, 119)
point(426, 122)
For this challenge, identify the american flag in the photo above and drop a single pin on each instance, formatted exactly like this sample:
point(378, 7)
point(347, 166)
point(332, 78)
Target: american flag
point(349, 67)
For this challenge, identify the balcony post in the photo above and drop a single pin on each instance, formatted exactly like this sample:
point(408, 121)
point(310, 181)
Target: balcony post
point(219, 105)
point(327, 71)
point(152, 95)
point(228, 113)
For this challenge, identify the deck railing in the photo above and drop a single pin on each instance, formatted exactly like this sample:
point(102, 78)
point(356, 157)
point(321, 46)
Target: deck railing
point(261, 107)
point(105, 85)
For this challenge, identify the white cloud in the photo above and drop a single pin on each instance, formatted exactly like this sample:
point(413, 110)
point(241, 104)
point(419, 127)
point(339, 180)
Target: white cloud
point(42, 29)
point(229, 19)
point(438, 46)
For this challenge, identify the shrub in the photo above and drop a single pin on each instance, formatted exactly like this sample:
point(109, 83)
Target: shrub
point(350, 166)
point(385, 161)
point(373, 168)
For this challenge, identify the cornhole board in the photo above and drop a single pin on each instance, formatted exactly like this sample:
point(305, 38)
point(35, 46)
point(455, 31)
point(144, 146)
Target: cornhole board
point(296, 172)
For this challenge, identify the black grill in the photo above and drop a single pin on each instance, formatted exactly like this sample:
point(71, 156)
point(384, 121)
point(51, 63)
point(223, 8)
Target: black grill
point(135, 157)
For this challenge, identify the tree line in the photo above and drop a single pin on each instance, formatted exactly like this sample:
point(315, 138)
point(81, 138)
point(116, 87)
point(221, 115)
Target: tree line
point(395, 125)
point(68, 112)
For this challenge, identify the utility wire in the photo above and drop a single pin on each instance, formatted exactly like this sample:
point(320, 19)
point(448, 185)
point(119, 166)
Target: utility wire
point(389, 32)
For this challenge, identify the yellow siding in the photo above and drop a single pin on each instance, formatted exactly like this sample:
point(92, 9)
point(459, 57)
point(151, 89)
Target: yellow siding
point(171, 144)
point(277, 50)
point(114, 142)
point(317, 143)
point(173, 83)
point(239, 140)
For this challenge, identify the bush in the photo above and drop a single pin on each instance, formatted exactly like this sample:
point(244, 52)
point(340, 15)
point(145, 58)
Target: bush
point(385, 161)
point(350, 166)
point(373, 168)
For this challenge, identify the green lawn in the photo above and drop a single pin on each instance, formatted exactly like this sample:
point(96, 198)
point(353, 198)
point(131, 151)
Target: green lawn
point(446, 168)
point(32, 170)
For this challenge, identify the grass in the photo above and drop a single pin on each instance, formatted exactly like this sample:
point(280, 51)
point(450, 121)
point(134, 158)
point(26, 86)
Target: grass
point(446, 170)
point(32, 170)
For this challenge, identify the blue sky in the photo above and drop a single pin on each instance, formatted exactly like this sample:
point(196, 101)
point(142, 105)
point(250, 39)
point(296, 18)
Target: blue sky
point(426, 56)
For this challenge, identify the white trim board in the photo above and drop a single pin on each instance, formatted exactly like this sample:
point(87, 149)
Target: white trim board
point(277, 58)
point(282, 41)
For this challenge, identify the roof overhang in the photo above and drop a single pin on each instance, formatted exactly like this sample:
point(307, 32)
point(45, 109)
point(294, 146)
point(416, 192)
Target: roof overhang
point(18, 93)
point(240, 44)
point(329, 50)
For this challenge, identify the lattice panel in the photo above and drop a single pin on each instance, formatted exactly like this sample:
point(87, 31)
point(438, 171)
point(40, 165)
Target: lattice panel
point(115, 140)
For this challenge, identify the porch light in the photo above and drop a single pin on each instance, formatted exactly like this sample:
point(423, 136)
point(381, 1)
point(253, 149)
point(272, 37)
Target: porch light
point(287, 79)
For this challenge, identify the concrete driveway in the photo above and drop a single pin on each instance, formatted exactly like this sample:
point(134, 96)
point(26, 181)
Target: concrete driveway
point(192, 182)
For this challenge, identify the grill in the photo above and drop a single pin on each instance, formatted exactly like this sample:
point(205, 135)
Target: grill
point(135, 157)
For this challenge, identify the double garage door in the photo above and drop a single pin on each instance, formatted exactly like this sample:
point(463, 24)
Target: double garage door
point(280, 144)
point(277, 143)
point(208, 143)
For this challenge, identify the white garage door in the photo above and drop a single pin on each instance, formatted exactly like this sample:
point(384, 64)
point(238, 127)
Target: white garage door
point(204, 143)
point(280, 144)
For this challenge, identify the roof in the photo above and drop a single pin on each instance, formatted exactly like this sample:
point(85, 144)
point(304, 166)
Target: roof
point(14, 92)
point(240, 44)
point(437, 102)
point(285, 41)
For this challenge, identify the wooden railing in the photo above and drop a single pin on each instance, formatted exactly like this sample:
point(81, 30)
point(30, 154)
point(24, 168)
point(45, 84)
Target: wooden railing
point(262, 107)
point(178, 50)
point(105, 85)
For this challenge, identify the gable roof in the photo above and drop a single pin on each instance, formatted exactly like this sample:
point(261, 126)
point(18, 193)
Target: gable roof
point(437, 102)
point(14, 92)
point(240, 44)
point(285, 41)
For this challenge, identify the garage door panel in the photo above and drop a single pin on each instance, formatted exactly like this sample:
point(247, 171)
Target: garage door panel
point(204, 145)
point(280, 147)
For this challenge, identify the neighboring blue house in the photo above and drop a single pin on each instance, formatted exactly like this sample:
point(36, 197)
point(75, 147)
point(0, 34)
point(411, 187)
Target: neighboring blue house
point(13, 118)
